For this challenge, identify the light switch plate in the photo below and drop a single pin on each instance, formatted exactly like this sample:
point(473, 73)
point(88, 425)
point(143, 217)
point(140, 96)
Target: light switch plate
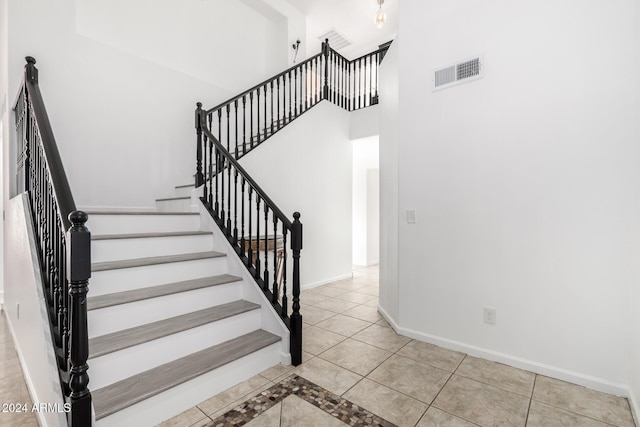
point(411, 216)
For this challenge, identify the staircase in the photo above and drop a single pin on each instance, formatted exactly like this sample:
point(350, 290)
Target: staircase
point(190, 299)
point(168, 324)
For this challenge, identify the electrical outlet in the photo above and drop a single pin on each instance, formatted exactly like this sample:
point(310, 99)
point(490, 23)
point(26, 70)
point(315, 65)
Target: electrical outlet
point(490, 315)
point(18, 310)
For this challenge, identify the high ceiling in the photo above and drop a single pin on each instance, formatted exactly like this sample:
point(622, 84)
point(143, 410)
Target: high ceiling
point(354, 19)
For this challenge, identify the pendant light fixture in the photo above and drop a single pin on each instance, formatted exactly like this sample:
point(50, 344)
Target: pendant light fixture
point(381, 17)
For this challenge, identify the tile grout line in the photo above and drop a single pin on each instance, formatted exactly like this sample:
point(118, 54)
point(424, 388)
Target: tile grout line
point(526, 420)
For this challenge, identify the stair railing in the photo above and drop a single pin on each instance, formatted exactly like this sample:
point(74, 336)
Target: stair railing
point(63, 243)
point(245, 121)
point(255, 227)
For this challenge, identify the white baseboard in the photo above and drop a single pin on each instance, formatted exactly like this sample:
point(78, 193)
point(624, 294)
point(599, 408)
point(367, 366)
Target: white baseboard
point(324, 282)
point(517, 362)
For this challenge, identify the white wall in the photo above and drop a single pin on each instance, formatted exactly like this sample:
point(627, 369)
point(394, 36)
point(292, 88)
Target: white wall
point(389, 190)
point(4, 127)
point(635, 294)
point(121, 80)
point(307, 168)
point(27, 315)
point(365, 201)
point(523, 184)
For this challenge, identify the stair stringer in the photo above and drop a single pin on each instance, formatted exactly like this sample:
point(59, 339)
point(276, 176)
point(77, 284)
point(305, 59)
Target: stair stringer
point(271, 321)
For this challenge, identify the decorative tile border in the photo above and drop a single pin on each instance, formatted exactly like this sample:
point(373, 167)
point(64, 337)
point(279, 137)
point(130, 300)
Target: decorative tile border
point(342, 409)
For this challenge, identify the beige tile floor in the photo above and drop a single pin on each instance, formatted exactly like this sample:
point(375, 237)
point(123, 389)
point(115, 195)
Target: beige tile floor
point(12, 385)
point(351, 351)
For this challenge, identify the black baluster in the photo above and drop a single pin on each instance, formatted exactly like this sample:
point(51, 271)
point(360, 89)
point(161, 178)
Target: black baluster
point(280, 122)
point(235, 207)
point(295, 92)
point(198, 118)
point(242, 241)
point(266, 125)
point(265, 276)
point(306, 85)
point(228, 128)
point(79, 271)
point(257, 272)
point(284, 100)
point(258, 123)
point(244, 124)
point(295, 322)
point(370, 80)
point(228, 197)
point(250, 247)
point(217, 154)
point(235, 107)
point(251, 122)
point(359, 80)
point(289, 77)
point(271, 85)
point(284, 273)
point(223, 163)
point(274, 297)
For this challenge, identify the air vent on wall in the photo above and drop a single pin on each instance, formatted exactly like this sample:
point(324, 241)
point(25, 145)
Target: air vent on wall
point(336, 40)
point(460, 72)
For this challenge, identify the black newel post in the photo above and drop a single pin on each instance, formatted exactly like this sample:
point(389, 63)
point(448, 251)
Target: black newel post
point(199, 176)
point(295, 325)
point(325, 53)
point(78, 274)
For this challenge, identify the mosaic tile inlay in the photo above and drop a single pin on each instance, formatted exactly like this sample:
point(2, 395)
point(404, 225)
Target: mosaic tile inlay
point(342, 409)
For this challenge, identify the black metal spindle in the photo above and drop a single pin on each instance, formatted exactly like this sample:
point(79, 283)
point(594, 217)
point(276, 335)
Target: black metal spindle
point(280, 122)
point(235, 108)
point(257, 246)
point(266, 123)
point(295, 93)
point(244, 124)
point(289, 77)
point(242, 239)
point(271, 96)
point(249, 247)
point(235, 207)
point(284, 272)
point(265, 276)
point(258, 112)
point(275, 290)
point(251, 121)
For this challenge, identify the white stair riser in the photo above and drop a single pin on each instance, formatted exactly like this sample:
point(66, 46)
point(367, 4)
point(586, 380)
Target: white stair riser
point(110, 368)
point(119, 249)
point(124, 279)
point(175, 206)
point(118, 317)
point(163, 406)
point(184, 191)
point(123, 224)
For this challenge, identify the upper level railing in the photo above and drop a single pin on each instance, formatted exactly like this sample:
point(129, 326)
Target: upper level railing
point(252, 223)
point(248, 119)
point(63, 243)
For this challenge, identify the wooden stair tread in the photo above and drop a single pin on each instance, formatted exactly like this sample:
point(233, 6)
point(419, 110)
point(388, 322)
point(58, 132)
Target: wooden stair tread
point(122, 394)
point(150, 235)
point(125, 297)
point(165, 259)
point(167, 199)
point(115, 341)
point(138, 213)
point(185, 186)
